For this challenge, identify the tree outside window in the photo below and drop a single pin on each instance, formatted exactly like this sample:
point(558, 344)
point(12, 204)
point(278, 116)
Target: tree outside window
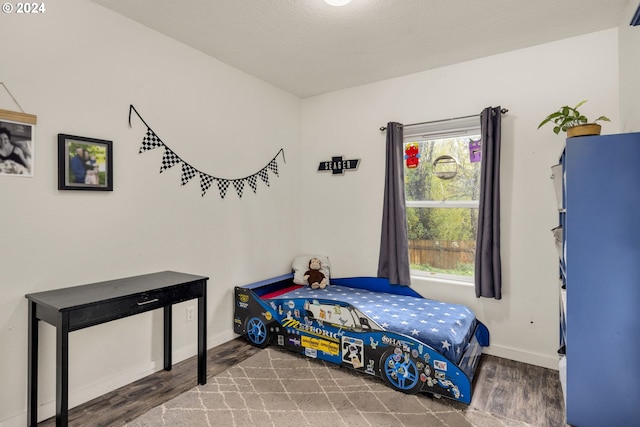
point(442, 211)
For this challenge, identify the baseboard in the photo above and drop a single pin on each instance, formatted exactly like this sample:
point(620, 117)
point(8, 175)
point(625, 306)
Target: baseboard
point(546, 361)
point(91, 391)
point(19, 420)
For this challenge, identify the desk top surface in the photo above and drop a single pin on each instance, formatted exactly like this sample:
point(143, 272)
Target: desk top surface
point(74, 296)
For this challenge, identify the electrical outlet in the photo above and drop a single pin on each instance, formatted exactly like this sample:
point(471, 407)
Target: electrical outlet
point(190, 313)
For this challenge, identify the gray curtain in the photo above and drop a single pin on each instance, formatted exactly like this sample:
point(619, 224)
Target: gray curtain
point(488, 274)
point(394, 245)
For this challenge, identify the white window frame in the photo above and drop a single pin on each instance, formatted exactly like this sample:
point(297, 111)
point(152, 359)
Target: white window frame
point(465, 126)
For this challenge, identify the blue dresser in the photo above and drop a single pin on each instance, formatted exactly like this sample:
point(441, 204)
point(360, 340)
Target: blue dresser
point(599, 248)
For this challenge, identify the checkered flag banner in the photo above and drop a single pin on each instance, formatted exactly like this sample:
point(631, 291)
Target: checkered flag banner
point(188, 172)
point(205, 182)
point(273, 166)
point(264, 176)
point(150, 141)
point(239, 186)
point(223, 186)
point(170, 159)
point(253, 183)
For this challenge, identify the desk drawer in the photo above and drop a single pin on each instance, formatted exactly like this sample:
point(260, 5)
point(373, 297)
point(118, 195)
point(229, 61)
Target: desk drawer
point(105, 311)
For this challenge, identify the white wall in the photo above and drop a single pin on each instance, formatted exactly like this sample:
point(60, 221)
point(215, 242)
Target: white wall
point(78, 67)
point(342, 214)
point(629, 72)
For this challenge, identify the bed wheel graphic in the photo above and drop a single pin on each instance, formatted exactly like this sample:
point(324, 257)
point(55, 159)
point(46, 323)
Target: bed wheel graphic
point(400, 372)
point(257, 333)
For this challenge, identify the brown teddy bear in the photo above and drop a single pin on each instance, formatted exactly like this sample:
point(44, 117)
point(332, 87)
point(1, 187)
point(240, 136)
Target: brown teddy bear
point(314, 276)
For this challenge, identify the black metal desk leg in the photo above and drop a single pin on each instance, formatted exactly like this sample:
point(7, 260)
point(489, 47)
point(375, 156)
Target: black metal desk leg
point(62, 370)
point(32, 381)
point(167, 337)
point(202, 338)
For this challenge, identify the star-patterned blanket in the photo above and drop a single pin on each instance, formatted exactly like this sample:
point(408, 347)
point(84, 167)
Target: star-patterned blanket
point(445, 327)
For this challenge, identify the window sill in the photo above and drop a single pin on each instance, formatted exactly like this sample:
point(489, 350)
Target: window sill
point(440, 280)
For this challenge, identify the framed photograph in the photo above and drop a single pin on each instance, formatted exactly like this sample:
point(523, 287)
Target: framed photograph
point(17, 136)
point(84, 163)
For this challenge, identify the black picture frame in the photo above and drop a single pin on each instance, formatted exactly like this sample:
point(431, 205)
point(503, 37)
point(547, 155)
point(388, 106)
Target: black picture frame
point(84, 163)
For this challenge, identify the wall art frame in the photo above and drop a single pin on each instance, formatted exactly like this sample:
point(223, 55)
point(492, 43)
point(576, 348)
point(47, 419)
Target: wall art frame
point(84, 163)
point(17, 143)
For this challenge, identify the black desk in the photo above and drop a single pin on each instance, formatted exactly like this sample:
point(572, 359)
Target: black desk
point(78, 307)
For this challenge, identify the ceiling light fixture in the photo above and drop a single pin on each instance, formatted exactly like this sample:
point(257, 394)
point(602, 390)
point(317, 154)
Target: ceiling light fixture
point(337, 2)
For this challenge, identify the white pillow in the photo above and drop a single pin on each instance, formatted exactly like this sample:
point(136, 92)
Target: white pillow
point(301, 266)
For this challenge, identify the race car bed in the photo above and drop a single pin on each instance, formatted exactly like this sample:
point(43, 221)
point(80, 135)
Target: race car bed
point(414, 344)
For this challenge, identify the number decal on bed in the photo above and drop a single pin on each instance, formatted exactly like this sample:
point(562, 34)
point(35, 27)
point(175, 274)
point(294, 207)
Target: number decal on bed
point(353, 351)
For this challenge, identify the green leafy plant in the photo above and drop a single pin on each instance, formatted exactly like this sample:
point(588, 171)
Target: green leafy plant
point(567, 117)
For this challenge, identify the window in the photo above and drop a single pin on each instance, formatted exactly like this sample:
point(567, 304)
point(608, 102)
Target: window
point(442, 188)
point(339, 316)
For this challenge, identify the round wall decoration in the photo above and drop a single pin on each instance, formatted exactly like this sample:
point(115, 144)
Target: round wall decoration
point(445, 167)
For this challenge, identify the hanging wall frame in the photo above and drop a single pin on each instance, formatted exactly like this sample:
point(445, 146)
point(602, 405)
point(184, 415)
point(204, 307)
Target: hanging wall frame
point(84, 163)
point(17, 141)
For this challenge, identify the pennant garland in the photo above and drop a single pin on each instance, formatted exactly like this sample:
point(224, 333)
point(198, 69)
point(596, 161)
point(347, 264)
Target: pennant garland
point(170, 159)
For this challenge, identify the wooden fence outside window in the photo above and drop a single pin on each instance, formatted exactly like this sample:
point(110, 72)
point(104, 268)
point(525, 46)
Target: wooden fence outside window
point(442, 254)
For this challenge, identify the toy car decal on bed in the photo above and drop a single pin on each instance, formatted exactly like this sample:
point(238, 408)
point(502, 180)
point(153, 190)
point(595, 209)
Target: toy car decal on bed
point(338, 332)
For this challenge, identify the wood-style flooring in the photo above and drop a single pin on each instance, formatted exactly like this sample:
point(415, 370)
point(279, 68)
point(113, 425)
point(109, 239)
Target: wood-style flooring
point(503, 387)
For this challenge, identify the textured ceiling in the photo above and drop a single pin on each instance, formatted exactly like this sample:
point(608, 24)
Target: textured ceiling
point(308, 47)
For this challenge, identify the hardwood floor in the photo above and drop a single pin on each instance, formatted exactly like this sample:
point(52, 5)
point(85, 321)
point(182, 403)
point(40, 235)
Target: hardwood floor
point(519, 391)
point(129, 402)
point(512, 389)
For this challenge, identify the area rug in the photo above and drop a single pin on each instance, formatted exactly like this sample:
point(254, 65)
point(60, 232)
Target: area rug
point(279, 388)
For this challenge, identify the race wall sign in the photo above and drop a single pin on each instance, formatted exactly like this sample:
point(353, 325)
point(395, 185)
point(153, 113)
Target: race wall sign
point(337, 165)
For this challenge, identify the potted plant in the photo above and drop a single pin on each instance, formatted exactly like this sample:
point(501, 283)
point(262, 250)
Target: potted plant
point(570, 120)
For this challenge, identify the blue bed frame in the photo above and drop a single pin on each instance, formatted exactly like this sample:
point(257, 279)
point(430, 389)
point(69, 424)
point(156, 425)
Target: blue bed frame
point(265, 313)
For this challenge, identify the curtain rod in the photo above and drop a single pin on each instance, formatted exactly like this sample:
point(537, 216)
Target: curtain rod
point(502, 110)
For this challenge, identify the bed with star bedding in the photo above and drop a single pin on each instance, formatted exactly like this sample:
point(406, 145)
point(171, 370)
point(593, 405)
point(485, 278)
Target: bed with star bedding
point(445, 327)
point(413, 343)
